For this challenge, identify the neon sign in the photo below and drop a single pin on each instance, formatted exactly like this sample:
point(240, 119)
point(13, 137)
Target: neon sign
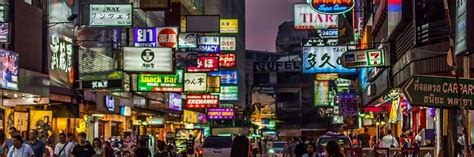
point(332, 6)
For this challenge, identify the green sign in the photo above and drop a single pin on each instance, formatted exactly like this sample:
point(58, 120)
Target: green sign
point(437, 91)
point(161, 82)
point(229, 93)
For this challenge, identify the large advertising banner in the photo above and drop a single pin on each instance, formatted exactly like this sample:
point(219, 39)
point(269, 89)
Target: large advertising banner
point(307, 18)
point(194, 117)
point(60, 10)
point(61, 69)
point(324, 60)
point(110, 14)
point(148, 59)
point(195, 82)
point(41, 120)
point(9, 69)
point(161, 82)
point(263, 102)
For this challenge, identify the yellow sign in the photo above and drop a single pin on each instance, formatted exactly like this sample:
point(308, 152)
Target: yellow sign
point(213, 84)
point(190, 116)
point(394, 110)
point(229, 26)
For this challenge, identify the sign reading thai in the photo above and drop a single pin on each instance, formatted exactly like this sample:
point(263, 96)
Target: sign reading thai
point(220, 113)
point(228, 43)
point(320, 42)
point(205, 64)
point(144, 37)
point(438, 91)
point(363, 58)
point(209, 44)
point(324, 60)
point(195, 82)
point(289, 66)
point(202, 101)
point(148, 59)
point(306, 17)
point(110, 15)
point(161, 82)
point(229, 26)
point(167, 36)
point(332, 6)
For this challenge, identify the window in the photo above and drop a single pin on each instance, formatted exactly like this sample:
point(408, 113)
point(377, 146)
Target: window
point(261, 78)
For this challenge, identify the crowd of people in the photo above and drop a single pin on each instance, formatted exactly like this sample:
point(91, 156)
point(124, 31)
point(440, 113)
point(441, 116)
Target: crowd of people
point(295, 147)
point(18, 146)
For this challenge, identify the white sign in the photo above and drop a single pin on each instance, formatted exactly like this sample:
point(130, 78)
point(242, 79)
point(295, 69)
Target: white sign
point(306, 17)
point(228, 43)
point(208, 44)
point(195, 82)
point(188, 40)
point(110, 15)
point(167, 36)
point(137, 59)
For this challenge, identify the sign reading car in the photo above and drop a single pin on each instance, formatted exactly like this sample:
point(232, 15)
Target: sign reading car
point(290, 66)
point(148, 59)
point(436, 91)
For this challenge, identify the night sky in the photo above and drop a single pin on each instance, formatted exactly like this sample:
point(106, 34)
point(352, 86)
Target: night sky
point(262, 20)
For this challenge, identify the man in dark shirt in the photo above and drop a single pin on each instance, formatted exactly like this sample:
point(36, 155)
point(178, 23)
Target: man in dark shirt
point(83, 149)
point(364, 138)
point(190, 146)
point(301, 147)
point(38, 146)
point(143, 150)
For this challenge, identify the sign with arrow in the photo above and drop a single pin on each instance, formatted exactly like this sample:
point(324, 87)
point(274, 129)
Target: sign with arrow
point(436, 91)
point(364, 58)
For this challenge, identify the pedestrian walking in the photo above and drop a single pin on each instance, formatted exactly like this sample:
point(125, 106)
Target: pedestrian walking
point(109, 151)
point(142, 150)
point(286, 147)
point(3, 150)
point(301, 148)
point(128, 144)
point(240, 147)
point(38, 146)
point(71, 139)
point(63, 148)
point(83, 149)
point(364, 138)
point(19, 149)
point(190, 146)
point(333, 149)
point(389, 141)
point(160, 149)
point(9, 143)
point(98, 148)
point(311, 150)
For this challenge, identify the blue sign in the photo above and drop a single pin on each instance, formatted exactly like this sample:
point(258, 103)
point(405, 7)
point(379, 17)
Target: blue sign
point(332, 6)
point(209, 44)
point(227, 76)
point(144, 37)
point(324, 60)
point(328, 33)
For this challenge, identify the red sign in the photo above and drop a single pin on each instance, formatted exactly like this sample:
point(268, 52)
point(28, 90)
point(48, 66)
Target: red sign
point(227, 60)
point(202, 101)
point(205, 64)
point(168, 37)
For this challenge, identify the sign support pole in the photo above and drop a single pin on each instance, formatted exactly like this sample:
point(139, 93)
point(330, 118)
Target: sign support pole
point(467, 128)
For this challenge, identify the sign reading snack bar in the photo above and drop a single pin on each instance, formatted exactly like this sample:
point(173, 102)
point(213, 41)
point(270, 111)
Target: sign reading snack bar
point(148, 59)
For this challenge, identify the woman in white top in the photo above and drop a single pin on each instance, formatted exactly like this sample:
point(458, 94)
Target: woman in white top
point(98, 148)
